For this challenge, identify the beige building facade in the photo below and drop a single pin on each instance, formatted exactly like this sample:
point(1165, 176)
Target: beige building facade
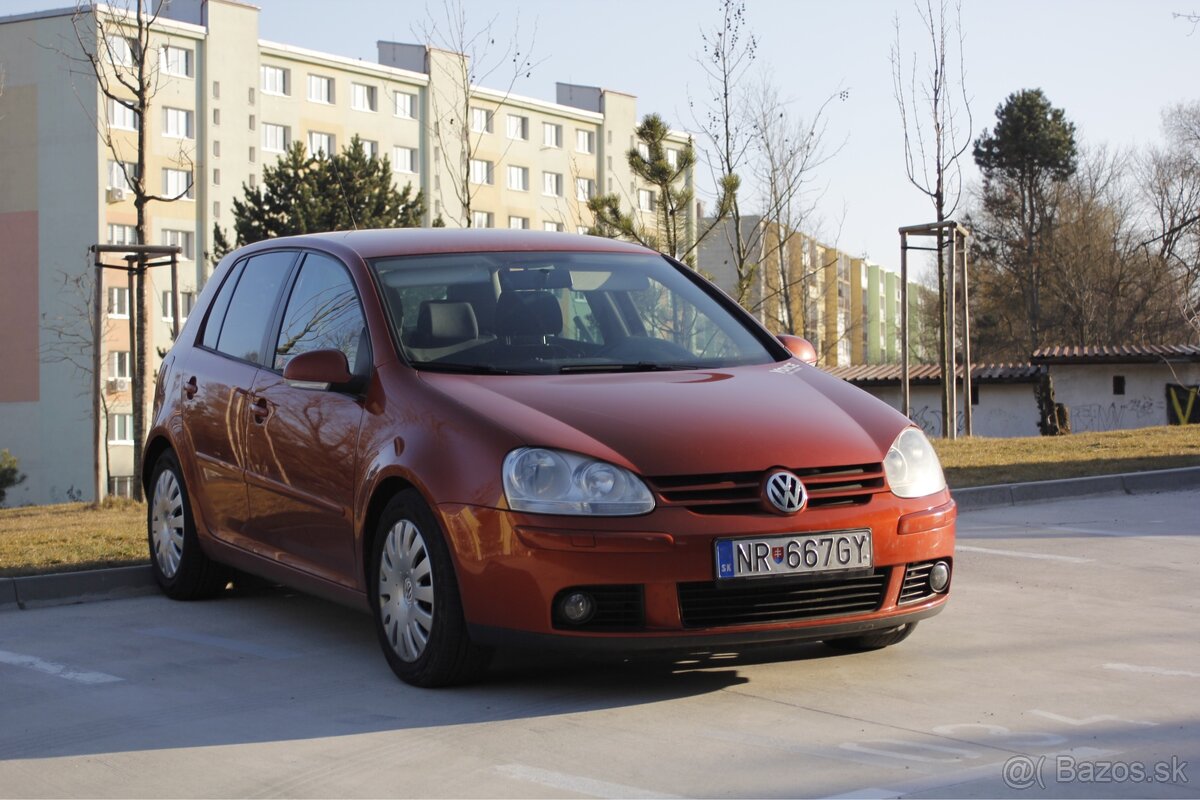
point(226, 104)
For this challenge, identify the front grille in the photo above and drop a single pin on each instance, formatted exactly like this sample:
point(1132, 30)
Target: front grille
point(708, 605)
point(618, 608)
point(739, 492)
point(916, 583)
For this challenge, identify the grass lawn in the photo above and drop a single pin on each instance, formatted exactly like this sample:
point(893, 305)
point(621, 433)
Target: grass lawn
point(75, 536)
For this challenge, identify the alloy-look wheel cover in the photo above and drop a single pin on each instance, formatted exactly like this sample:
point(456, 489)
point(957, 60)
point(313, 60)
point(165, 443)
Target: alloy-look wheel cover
point(406, 591)
point(166, 523)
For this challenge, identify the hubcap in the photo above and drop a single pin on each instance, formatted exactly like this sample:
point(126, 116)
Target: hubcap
point(406, 591)
point(166, 523)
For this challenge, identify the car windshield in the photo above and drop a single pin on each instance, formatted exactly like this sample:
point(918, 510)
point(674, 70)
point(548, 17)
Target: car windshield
point(539, 313)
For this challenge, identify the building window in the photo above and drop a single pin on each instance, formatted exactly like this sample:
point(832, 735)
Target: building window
point(122, 234)
point(121, 116)
point(551, 135)
point(1118, 384)
point(120, 428)
point(552, 226)
point(518, 178)
point(320, 89)
point(518, 223)
point(168, 307)
point(276, 138)
point(250, 155)
point(404, 159)
point(406, 105)
point(364, 97)
point(643, 150)
point(216, 90)
point(217, 148)
point(673, 158)
point(184, 240)
point(118, 302)
point(481, 120)
point(276, 80)
point(481, 172)
point(216, 177)
point(320, 143)
point(370, 148)
point(251, 122)
point(176, 61)
point(188, 301)
point(974, 394)
point(518, 127)
point(552, 184)
point(585, 188)
point(585, 141)
point(122, 52)
point(483, 219)
point(177, 123)
point(119, 364)
point(646, 200)
point(119, 174)
point(177, 183)
point(120, 486)
point(582, 230)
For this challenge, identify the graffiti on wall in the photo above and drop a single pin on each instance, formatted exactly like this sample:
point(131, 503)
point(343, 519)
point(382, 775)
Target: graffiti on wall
point(1134, 412)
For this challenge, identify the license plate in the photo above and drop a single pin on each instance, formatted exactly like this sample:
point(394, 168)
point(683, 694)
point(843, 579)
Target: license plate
point(793, 554)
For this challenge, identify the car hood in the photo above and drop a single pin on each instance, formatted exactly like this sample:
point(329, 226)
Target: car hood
point(688, 422)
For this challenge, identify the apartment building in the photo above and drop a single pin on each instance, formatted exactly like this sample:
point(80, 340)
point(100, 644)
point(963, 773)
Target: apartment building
point(848, 307)
point(226, 104)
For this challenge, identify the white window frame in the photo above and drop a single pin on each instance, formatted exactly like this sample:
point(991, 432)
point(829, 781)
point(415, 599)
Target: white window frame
point(186, 240)
point(328, 95)
point(552, 184)
point(276, 138)
point(172, 187)
point(122, 117)
point(483, 219)
point(585, 188)
point(116, 175)
point(554, 227)
point(672, 157)
point(328, 148)
point(128, 233)
point(364, 97)
point(370, 148)
point(518, 127)
point(169, 57)
point(518, 178)
point(585, 141)
point(552, 134)
point(118, 299)
point(482, 120)
point(404, 159)
point(482, 172)
point(406, 105)
point(582, 230)
point(646, 200)
point(168, 313)
point(174, 118)
point(120, 364)
point(120, 423)
point(518, 223)
point(120, 50)
point(279, 82)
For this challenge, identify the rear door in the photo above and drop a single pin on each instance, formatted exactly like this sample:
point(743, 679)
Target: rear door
point(218, 374)
point(302, 443)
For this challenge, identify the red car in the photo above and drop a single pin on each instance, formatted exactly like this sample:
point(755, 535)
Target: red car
point(491, 438)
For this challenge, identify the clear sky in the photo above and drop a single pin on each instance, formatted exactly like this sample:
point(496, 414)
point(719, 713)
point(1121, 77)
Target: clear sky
point(1113, 66)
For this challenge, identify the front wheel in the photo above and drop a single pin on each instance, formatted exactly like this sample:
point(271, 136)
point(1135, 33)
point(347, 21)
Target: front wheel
point(876, 640)
point(181, 568)
point(415, 601)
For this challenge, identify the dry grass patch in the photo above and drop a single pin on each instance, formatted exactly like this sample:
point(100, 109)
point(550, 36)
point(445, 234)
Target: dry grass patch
point(977, 461)
point(72, 536)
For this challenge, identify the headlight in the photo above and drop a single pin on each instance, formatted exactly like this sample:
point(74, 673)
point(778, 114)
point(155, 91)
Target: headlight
point(912, 467)
point(555, 482)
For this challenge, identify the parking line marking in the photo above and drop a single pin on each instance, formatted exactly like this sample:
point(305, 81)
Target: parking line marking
point(1023, 554)
point(57, 670)
point(576, 783)
point(1180, 673)
point(221, 642)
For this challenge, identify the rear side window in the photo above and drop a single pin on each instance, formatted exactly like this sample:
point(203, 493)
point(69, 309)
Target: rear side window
point(323, 313)
point(252, 306)
point(216, 316)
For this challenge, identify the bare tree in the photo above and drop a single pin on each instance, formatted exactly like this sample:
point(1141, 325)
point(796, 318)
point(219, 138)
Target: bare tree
point(932, 101)
point(470, 57)
point(114, 47)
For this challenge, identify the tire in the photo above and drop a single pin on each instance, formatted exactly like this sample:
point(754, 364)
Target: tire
point(182, 569)
point(876, 640)
point(415, 600)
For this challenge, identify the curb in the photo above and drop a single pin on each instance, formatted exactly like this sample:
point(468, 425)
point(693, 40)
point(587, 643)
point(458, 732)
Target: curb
point(66, 588)
point(1011, 494)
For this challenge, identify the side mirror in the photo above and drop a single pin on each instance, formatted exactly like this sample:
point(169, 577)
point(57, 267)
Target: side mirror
point(318, 369)
point(800, 347)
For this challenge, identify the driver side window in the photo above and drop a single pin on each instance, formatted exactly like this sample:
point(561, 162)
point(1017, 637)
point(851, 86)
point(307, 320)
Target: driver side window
point(323, 313)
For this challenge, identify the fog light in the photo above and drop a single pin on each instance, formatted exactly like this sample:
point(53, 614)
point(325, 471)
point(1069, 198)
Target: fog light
point(577, 607)
point(939, 576)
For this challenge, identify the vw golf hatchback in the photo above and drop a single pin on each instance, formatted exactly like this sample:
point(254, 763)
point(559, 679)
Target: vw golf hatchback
point(489, 438)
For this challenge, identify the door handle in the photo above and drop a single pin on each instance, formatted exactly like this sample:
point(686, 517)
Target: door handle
point(259, 408)
point(191, 387)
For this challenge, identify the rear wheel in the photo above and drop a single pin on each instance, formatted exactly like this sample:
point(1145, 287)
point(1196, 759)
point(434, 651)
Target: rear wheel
point(875, 640)
point(415, 600)
point(181, 568)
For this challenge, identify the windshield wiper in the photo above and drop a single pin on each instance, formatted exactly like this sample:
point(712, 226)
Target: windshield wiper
point(466, 369)
point(640, 366)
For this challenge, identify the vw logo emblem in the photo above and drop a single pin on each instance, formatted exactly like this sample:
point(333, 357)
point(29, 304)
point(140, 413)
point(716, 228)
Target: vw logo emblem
point(784, 492)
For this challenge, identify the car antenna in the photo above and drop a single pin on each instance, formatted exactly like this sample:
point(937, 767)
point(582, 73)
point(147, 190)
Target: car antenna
point(342, 191)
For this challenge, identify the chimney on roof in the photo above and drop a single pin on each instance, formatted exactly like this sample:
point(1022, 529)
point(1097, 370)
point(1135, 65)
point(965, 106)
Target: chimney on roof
point(411, 57)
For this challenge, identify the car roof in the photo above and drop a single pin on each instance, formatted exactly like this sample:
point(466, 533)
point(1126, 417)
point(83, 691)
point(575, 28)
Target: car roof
point(416, 241)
